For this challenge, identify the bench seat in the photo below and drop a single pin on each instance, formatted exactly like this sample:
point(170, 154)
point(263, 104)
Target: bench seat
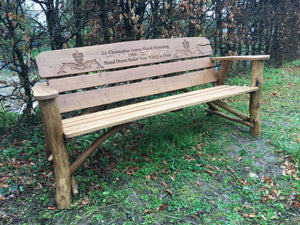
point(95, 121)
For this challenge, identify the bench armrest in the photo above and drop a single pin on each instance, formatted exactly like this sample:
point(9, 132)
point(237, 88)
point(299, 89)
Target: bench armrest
point(228, 59)
point(42, 91)
point(243, 57)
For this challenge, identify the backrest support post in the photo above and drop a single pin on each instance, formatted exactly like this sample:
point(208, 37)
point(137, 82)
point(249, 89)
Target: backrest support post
point(223, 71)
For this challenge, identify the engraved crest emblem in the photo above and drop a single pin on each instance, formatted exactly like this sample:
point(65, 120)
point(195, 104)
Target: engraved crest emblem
point(187, 50)
point(79, 64)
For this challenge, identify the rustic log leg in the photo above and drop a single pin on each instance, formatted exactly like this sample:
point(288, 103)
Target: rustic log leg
point(47, 148)
point(55, 141)
point(255, 97)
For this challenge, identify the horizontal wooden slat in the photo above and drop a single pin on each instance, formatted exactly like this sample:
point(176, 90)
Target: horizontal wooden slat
point(119, 55)
point(104, 78)
point(243, 57)
point(87, 99)
point(100, 120)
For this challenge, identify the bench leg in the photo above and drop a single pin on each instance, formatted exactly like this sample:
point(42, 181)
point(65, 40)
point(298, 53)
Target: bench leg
point(255, 115)
point(55, 143)
point(255, 97)
point(47, 148)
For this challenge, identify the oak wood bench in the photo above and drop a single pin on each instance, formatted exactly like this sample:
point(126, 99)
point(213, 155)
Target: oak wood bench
point(87, 78)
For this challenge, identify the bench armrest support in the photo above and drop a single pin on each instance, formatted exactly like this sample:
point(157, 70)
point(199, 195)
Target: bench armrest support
point(42, 91)
point(243, 57)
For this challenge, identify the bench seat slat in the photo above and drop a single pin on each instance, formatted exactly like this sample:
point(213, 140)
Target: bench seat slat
point(91, 98)
point(92, 122)
point(142, 72)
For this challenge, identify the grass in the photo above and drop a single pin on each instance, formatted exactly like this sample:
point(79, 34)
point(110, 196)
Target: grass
point(176, 168)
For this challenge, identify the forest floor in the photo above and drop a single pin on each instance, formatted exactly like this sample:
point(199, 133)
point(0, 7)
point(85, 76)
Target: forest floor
point(176, 168)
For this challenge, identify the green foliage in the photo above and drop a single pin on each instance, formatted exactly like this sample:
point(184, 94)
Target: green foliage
point(7, 120)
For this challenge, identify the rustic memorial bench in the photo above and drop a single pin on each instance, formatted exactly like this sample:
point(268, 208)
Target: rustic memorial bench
point(89, 78)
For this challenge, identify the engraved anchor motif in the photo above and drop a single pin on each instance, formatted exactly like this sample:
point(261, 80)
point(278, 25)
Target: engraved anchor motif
point(187, 50)
point(80, 64)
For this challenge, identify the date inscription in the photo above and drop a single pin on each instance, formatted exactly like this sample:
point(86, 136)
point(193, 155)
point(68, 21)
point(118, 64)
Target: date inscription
point(136, 54)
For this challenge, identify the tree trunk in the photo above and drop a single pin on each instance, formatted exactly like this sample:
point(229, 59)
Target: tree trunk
point(78, 16)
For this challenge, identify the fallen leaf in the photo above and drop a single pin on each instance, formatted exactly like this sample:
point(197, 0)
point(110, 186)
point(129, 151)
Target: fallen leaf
point(153, 177)
point(164, 162)
point(170, 192)
point(163, 171)
point(74, 186)
point(244, 182)
point(148, 211)
point(225, 160)
point(297, 204)
point(163, 206)
point(245, 214)
point(188, 157)
point(210, 172)
point(164, 184)
point(283, 197)
point(85, 202)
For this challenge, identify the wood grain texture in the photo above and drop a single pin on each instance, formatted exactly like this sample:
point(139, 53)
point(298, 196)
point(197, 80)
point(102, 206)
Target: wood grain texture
point(42, 91)
point(119, 55)
point(55, 142)
point(100, 120)
point(87, 99)
point(255, 97)
point(142, 72)
point(243, 57)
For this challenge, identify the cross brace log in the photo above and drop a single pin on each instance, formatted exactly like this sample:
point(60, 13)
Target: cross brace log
point(94, 146)
point(231, 110)
point(230, 118)
point(212, 106)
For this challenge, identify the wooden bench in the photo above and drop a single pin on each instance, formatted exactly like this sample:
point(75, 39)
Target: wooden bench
point(91, 78)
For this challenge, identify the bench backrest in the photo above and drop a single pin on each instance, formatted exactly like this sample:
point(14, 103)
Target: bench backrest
point(110, 73)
